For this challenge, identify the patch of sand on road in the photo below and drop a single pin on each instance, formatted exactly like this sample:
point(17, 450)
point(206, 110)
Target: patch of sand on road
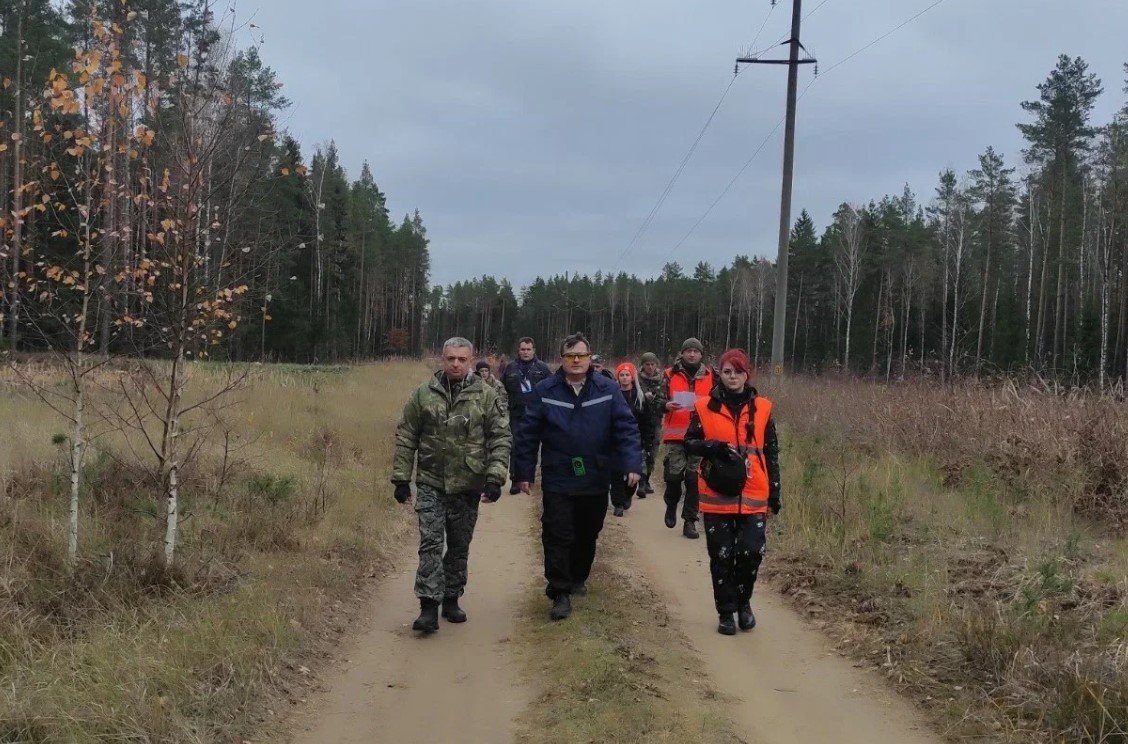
point(459, 684)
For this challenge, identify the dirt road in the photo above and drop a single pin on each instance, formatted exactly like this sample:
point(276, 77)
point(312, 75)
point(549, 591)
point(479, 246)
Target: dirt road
point(460, 684)
point(786, 684)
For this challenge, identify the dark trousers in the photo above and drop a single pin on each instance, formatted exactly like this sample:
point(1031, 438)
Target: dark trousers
point(673, 495)
point(736, 548)
point(515, 416)
point(570, 525)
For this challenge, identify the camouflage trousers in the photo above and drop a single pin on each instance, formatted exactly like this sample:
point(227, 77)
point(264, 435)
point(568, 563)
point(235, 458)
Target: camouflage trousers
point(444, 519)
point(678, 464)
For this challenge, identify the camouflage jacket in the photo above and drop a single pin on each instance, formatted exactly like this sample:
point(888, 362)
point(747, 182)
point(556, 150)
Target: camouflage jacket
point(655, 389)
point(459, 444)
point(499, 386)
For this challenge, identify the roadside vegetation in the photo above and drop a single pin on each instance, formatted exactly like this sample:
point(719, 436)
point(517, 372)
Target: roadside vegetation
point(279, 523)
point(969, 541)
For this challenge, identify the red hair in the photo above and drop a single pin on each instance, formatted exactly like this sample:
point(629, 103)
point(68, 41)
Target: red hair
point(737, 359)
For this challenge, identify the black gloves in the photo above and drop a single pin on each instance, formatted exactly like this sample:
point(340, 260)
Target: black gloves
point(721, 450)
point(714, 447)
point(774, 503)
point(491, 492)
point(403, 492)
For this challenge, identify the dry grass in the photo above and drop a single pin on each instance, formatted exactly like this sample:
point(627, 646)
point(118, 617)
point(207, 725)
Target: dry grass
point(1075, 444)
point(968, 542)
point(612, 672)
point(286, 509)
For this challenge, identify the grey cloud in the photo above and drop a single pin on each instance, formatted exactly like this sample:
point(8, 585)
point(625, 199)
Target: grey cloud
point(535, 136)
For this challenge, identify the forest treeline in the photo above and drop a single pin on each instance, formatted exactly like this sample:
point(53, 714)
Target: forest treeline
point(103, 105)
point(1007, 266)
point(107, 110)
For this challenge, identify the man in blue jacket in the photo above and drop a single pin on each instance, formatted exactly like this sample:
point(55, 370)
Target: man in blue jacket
point(520, 377)
point(586, 435)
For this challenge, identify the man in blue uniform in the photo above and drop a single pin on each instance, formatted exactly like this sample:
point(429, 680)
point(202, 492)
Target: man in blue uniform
point(586, 435)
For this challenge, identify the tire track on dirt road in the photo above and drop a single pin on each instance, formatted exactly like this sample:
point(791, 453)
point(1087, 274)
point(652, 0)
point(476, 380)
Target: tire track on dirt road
point(459, 684)
point(783, 681)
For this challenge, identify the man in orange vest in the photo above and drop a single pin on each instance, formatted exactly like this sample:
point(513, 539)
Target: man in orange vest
point(734, 431)
point(686, 381)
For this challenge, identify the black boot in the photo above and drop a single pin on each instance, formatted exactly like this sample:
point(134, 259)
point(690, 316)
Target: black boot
point(580, 590)
point(428, 620)
point(514, 490)
point(745, 618)
point(561, 607)
point(726, 626)
point(618, 511)
point(689, 529)
point(452, 612)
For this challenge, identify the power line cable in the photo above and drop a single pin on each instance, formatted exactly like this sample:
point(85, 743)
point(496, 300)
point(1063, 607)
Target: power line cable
point(763, 142)
point(762, 25)
point(677, 173)
point(814, 9)
point(731, 183)
point(689, 154)
point(881, 38)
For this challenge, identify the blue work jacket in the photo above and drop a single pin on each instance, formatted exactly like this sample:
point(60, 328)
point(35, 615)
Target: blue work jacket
point(584, 440)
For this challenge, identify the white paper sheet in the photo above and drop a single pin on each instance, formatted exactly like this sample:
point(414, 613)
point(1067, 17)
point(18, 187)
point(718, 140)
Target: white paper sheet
point(685, 399)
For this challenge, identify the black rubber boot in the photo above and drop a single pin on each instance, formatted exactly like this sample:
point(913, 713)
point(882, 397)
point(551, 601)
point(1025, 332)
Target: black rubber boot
point(618, 511)
point(561, 607)
point(745, 618)
point(689, 529)
point(428, 620)
point(514, 490)
point(452, 612)
point(580, 590)
point(726, 625)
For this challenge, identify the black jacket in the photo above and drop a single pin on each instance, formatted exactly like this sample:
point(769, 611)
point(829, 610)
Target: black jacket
point(640, 407)
point(695, 442)
point(520, 378)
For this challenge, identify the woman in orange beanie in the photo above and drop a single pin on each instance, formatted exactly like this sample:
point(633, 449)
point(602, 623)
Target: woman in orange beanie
point(627, 377)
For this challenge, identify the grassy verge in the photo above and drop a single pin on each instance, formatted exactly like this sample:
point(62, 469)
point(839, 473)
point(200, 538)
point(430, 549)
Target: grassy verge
point(995, 597)
point(282, 526)
point(617, 669)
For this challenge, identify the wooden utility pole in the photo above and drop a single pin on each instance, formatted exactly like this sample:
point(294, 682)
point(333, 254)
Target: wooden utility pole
point(780, 317)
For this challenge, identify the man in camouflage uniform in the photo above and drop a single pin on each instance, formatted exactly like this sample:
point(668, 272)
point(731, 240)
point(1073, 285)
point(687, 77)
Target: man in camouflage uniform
point(458, 429)
point(653, 383)
point(691, 378)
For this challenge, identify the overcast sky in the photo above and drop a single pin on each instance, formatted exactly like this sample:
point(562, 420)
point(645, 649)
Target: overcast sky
point(535, 135)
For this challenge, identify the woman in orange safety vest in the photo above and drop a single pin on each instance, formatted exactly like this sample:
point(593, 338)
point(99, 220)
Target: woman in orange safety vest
point(733, 431)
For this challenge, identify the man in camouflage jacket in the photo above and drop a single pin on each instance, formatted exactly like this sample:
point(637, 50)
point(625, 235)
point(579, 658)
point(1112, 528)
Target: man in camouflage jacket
point(653, 382)
point(457, 428)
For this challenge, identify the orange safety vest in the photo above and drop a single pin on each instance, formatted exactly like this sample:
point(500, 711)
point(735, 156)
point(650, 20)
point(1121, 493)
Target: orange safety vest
point(719, 425)
point(675, 424)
